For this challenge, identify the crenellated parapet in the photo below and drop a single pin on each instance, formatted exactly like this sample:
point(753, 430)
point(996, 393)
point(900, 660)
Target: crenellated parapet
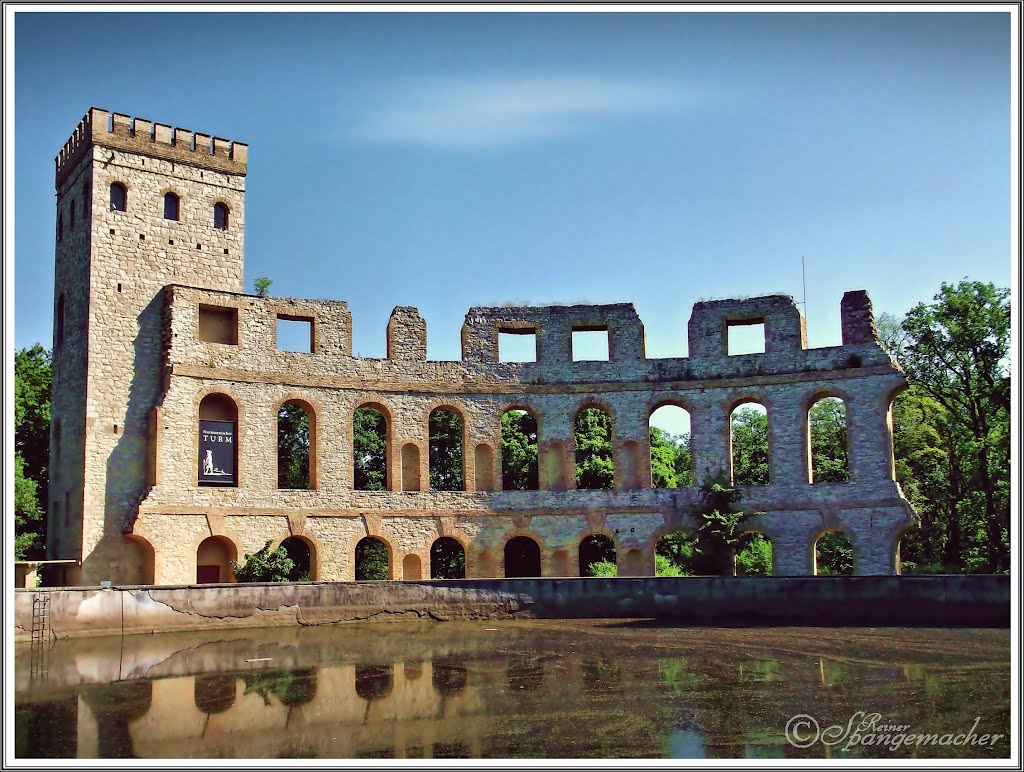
point(137, 135)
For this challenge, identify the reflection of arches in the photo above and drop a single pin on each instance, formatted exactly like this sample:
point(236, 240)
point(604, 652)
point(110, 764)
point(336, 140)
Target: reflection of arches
point(486, 565)
point(522, 557)
point(374, 682)
point(139, 561)
point(524, 676)
point(834, 554)
point(373, 559)
point(213, 560)
point(214, 692)
point(411, 567)
point(447, 679)
point(296, 445)
point(303, 555)
point(596, 548)
point(410, 467)
point(560, 563)
point(301, 688)
point(447, 559)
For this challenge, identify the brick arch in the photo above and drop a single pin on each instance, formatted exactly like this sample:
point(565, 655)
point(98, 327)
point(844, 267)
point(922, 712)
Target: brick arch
point(824, 392)
point(545, 550)
point(468, 458)
point(389, 542)
point(537, 415)
point(533, 410)
point(313, 411)
point(589, 402)
point(460, 538)
point(241, 430)
point(738, 399)
point(573, 545)
point(232, 538)
point(392, 453)
point(668, 399)
point(827, 526)
point(312, 542)
point(895, 538)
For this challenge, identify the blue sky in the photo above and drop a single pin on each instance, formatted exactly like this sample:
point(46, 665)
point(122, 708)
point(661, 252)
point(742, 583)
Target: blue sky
point(450, 160)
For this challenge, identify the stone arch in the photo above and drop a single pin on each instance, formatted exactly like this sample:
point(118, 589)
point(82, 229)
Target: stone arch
point(373, 403)
point(139, 563)
point(312, 544)
point(303, 553)
point(214, 692)
point(311, 465)
point(836, 469)
point(657, 547)
point(593, 548)
point(241, 431)
point(759, 470)
point(118, 196)
point(389, 552)
point(447, 556)
point(895, 542)
point(522, 559)
point(412, 567)
point(213, 557)
point(590, 480)
point(673, 401)
point(450, 475)
point(510, 479)
point(848, 568)
point(890, 402)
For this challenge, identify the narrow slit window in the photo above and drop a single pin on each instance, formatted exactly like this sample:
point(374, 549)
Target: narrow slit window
point(220, 216)
point(295, 333)
point(746, 337)
point(172, 205)
point(590, 344)
point(517, 345)
point(118, 198)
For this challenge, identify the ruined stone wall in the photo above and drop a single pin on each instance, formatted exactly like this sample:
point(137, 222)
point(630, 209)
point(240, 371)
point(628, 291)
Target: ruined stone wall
point(787, 379)
point(136, 363)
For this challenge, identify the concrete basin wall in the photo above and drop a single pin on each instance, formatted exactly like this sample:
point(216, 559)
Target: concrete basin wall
point(927, 601)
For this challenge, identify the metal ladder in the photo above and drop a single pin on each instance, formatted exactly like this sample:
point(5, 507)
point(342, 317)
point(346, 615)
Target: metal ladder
point(40, 635)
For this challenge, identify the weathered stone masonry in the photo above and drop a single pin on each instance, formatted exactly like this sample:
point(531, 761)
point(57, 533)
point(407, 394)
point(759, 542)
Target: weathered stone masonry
point(132, 369)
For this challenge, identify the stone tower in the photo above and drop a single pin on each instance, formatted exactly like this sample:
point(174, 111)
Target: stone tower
point(139, 206)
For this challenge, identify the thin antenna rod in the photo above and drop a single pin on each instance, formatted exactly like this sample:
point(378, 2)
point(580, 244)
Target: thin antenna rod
point(803, 277)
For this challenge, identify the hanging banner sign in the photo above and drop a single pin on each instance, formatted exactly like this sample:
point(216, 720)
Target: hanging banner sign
point(217, 453)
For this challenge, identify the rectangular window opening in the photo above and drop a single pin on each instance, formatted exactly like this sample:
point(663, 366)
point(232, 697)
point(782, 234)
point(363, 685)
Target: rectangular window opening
point(218, 324)
point(746, 337)
point(295, 333)
point(589, 344)
point(515, 345)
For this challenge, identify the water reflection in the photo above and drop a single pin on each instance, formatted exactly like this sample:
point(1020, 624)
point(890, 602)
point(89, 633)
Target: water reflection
point(454, 691)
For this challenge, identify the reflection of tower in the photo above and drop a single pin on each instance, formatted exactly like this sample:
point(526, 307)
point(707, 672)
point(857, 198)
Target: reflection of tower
point(135, 213)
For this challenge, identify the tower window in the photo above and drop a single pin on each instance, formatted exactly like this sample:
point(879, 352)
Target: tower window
point(220, 216)
point(118, 198)
point(171, 206)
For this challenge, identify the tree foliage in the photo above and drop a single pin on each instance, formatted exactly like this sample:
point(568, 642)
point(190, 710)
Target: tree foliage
point(261, 286)
point(447, 559)
point(834, 554)
point(371, 559)
point(594, 465)
point(749, 446)
point(369, 450)
point(671, 462)
point(519, 471)
point(292, 447)
point(445, 446)
point(266, 565)
point(33, 377)
point(830, 459)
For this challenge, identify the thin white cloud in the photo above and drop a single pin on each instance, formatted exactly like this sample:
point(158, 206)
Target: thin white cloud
point(491, 112)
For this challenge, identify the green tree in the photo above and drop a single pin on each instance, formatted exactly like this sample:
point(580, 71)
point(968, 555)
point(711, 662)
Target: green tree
point(834, 554)
point(266, 565)
point(518, 451)
point(594, 465)
point(33, 376)
point(749, 446)
point(292, 447)
point(754, 555)
point(830, 459)
point(447, 559)
point(371, 559)
point(261, 286)
point(445, 447)
point(369, 450)
point(719, 526)
point(957, 352)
